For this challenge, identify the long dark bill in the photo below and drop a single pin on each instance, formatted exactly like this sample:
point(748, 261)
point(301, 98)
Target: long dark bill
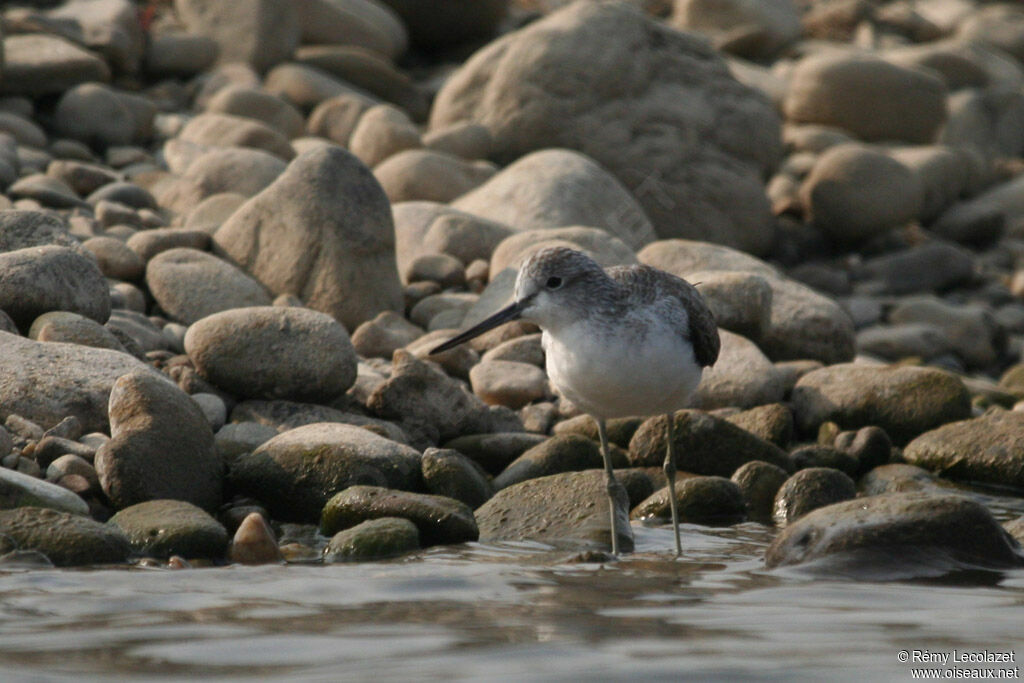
point(510, 312)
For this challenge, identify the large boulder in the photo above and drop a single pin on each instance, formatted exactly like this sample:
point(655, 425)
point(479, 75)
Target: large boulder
point(48, 381)
point(329, 199)
point(656, 107)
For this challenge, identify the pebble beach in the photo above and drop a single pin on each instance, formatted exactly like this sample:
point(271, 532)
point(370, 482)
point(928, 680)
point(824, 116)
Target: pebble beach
point(230, 234)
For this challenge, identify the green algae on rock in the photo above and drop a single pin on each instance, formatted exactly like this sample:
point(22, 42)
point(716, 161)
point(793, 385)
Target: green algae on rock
point(373, 539)
point(440, 520)
point(68, 540)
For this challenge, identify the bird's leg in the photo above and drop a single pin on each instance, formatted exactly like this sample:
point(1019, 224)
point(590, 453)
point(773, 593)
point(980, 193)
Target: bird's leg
point(609, 479)
point(670, 474)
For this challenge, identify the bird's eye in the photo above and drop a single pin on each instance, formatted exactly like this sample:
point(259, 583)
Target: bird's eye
point(554, 282)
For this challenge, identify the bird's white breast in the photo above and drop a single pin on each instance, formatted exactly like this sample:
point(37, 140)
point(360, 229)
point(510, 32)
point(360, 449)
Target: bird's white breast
point(620, 372)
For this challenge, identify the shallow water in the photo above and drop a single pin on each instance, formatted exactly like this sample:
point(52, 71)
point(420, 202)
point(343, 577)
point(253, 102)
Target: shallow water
point(501, 612)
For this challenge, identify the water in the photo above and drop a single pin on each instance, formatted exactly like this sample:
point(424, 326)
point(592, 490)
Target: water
point(500, 612)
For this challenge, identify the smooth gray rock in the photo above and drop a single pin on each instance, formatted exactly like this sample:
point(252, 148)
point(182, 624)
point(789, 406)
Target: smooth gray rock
point(71, 328)
point(36, 280)
point(713, 501)
point(759, 483)
point(562, 453)
point(161, 528)
point(48, 381)
point(161, 446)
point(352, 274)
point(42, 64)
point(297, 472)
point(872, 98)
point(190, 285)
point(447, 472)
point(559, 187)
point(495, 451)
point(772, 422)
point(568, 510)
point(273, 352)
point(232, 440)
point(987, 449)
point(373, 539)
point(904, 401)
point(741, 377)
point(21, 490)
point(808, 490)
point(704, 445)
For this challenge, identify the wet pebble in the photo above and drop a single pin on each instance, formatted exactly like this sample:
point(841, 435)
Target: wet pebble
point(373, 539)
point(808, 490)
point(713, 501)
point(254, 542)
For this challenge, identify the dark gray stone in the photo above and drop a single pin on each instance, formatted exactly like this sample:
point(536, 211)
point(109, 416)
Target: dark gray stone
point(36, 280)
point(810, 489)
point(161, 528)
point(894, 536)
point(297, 472)
point(440, 520)
point(704, 445)
point(568, 510)
point(713, 501)
point(560, 453)
point(68, 540)
point(449, 473)
point(373, 539)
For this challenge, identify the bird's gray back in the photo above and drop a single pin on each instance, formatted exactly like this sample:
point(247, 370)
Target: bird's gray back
point(647, 286)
